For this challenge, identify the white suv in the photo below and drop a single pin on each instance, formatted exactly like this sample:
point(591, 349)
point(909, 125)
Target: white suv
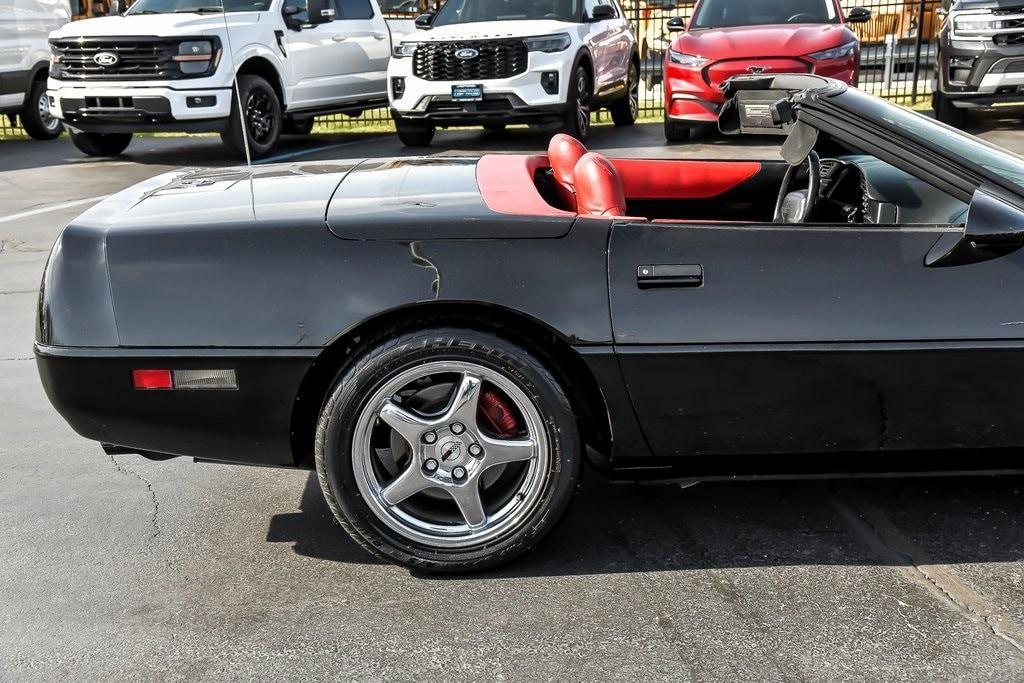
point(495, 62)
point(168, 65)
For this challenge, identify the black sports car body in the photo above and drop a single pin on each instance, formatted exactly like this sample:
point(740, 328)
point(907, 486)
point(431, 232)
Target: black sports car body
point(446, 339)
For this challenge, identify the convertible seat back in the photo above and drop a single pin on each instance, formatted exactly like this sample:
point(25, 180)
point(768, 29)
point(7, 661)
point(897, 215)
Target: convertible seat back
point(598, 187)
point(564, 152)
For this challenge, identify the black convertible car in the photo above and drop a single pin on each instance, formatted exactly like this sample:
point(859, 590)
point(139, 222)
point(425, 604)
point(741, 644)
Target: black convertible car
point(445, 340)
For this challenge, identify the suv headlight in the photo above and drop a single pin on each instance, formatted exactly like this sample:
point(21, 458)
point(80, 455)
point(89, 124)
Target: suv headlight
point(835, 52)
point(555, 43)
point(404, 50)
point(196, 56)
point(975, 23)
point(689, 61)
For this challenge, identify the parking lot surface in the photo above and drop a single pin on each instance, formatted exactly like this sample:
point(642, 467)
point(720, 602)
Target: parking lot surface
point(118, 567)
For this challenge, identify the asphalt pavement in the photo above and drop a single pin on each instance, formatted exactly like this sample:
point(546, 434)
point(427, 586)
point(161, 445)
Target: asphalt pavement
point(122, 568)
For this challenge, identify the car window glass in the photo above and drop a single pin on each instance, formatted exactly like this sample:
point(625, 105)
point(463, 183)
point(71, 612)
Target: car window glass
point(589, 5)
point(726, 13)
point(354, 9)
point(186, 6)
point(466, 11)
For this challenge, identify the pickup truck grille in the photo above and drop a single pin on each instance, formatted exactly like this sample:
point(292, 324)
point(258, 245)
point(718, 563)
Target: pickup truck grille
point(137, 59)
point(494, 59)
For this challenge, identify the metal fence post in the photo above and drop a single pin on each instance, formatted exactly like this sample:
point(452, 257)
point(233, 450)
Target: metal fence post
point(917, 51)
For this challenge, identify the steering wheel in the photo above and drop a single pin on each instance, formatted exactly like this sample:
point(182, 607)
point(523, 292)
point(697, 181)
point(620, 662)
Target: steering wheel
point(802, 17)
point(796, 206)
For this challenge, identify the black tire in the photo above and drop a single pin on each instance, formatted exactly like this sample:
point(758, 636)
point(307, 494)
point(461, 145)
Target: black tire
point(263, 118)
point(676, 131)
point(946, 112)
point(576, 121)
point(625, 111)
point(495, 126)
point(101, 144)
point(35, 116)
point(298, 126)
point(382, 363)
point(414, 133)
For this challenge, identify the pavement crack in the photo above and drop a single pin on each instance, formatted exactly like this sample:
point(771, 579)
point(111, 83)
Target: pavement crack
point(5, 292)
point(880, 533)
point(15, 358)
point(154, 521)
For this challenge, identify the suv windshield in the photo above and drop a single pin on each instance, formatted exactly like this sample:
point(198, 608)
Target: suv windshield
point(197, 6)
point(995, 163)
point(726, 13)
point(466, 11)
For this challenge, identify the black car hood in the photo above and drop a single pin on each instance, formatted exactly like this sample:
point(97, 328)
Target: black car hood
point(427, 198)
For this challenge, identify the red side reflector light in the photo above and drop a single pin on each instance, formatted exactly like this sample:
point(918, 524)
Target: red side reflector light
point(152, 379)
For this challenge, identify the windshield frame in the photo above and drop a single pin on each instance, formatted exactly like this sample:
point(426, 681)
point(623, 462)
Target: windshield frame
point(699, 10)
point(449, 17)
point(999, 165)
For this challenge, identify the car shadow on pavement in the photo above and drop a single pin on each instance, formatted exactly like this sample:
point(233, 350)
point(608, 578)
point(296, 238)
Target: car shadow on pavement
point(620, 528)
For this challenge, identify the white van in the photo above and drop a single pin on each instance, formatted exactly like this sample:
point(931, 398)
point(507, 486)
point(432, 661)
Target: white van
point(24, 60)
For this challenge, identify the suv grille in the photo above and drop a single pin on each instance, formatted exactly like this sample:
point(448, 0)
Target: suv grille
point(495, 59)
point(137, 59)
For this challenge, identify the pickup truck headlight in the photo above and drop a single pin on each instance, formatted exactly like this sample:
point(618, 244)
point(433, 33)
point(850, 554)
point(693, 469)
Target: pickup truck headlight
point(689, 61)
point(404, 50)
point(196, 56)
point(835, 52)
point(555, 43)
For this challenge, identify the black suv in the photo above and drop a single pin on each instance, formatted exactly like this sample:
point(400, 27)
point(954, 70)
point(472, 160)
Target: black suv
point(981, 58)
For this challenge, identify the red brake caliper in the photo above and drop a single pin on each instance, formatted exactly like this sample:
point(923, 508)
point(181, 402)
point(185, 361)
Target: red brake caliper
point(496, 413)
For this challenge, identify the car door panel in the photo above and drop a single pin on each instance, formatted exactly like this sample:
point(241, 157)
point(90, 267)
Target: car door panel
point(807, 339)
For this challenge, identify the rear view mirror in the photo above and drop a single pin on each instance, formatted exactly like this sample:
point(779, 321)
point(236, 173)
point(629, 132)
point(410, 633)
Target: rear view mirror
point(602, 12)
point(291, 10)
point(858, 15)
point(675, 24)
point(320, 11)
point(425, 21)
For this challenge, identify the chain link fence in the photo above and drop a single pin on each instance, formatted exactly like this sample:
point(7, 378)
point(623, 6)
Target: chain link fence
point(898, 50)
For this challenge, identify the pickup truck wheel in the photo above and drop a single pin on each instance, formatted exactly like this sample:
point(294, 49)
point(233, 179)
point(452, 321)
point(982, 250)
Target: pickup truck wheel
point(577, 113)
point(36, 118)
point(414, 133)
point(625, 111)
point(262, 117)
point(298, 126)
point(448, 450)
point(101, 144)
point(946, 112)
point(675, 131)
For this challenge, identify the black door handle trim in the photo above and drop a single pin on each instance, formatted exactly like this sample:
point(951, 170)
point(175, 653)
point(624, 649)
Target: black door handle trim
point(670, 275)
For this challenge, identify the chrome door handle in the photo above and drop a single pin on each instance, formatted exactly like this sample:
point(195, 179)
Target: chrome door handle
point(339, 38)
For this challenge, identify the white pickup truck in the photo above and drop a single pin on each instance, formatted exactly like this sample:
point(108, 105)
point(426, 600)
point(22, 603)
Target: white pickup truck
point(168, 65)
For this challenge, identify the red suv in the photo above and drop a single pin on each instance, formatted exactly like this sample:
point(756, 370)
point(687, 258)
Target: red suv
point(727, 38)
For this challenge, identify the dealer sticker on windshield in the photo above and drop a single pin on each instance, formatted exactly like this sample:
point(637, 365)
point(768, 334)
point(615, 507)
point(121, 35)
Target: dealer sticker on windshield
point(467, 93)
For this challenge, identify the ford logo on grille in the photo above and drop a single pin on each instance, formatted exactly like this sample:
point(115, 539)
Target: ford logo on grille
point(467, 53)
point(106, 58)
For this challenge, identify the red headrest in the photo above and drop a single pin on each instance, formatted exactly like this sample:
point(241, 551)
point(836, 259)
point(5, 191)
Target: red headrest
point(563, 153)
point(598, 187)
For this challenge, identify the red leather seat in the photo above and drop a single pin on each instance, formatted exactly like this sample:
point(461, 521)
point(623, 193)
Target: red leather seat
point(563, 153)
point(598, 187)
